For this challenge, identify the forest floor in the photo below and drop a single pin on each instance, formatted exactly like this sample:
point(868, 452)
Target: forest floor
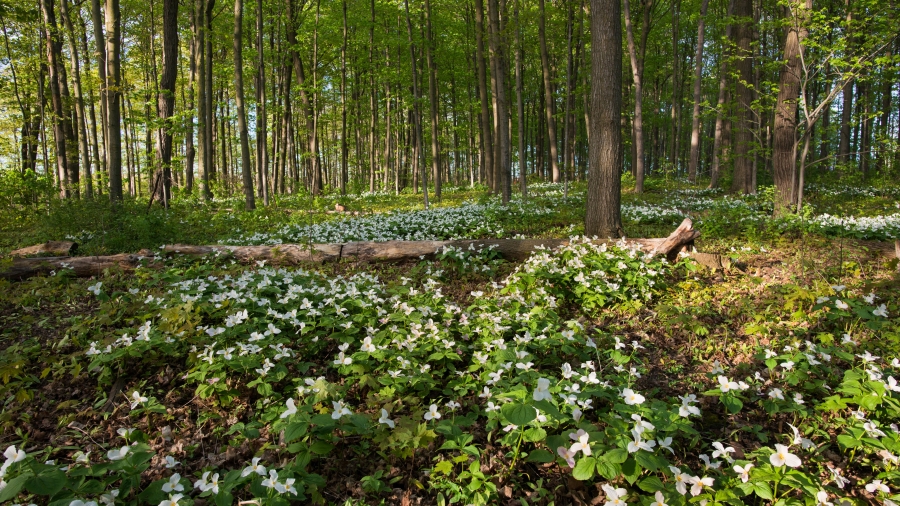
point(581, 376)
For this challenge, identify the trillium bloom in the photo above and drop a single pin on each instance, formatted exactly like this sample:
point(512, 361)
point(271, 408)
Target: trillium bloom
point(726, 385)
point(743, 472)
point(340, 409)
point(432, 413)
point(291, 408)
point(12, 455)
point(822, 499)
point(614, 496)
point(542, 392)
point(136, 399)
point(581, 445)
point(286, 487)
point(171, 462)
point(881, 311)
point(117, 454)
point(783, 457)
point(666, 443)
point(681, 480)
point(567, 455)
point(877, 486)
point(722, 451)
point(631, 397)
point(659, 499)
point(174, 484)
point(171, 501)
point(384, 418)
point(272, 480)
point(698, 484)
point(254, 467)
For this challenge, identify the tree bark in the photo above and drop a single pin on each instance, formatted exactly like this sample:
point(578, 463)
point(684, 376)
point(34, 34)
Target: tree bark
point(501, 115)
point(80, 116)
point(694, 160)
point(638, 125)
point(161, 184)
point(603, 207)
point(246, 169)
point(416, 111)
point(435, 106)
point(292, 254)
point(784, 152)
point(743, 137)
point(520, 105)
point(719, 135)
point(61, 114)
point(487, 145)
point(549, 98)
point(262, 155)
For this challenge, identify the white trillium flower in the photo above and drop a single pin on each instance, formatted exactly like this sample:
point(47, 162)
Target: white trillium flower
point(291, 408)
point(174, 484)
point(783, 457)
point(542, 392)
point(432, 413)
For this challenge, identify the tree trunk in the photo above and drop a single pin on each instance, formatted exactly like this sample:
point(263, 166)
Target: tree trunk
point(487, 145)
point(520, 105)
point(416, 112)
point(603, 209)
point(344, 167)
point(262, 155)
point(433, 99)
point(80, 116)
point(638, 125)
point(161, 184)
point(784, 152)
point(246, 169)
point(719, 136)
point(59, 103)
point(743, 137)
point(698, 81)
point(498, 66)
point(549, 98)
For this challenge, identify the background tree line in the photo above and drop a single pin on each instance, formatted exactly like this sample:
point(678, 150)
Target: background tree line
point(268, 98)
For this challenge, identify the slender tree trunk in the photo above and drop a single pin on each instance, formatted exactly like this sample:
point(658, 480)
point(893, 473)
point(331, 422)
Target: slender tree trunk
point(80, 116)
point(433, 99)
point(520, 105)
point(161, 184)
point(262, 155)
point(638, 124)
point(719, 133)
point(487, 145)
point(549, 98)
point(246, 169)
point(344, 154)
point(498, 60)
point(63, 134)
point(603, 209)
point(373, 103)
point(416, 115)
point(698, 81)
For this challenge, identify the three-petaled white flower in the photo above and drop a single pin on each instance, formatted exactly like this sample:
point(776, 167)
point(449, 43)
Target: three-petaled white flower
point(137, 398)
point(877, 486)
point(384, 418)
point(291, 408)
point(631, 397)
point(340, 409)
point(743, 472)
point(542, 392)
point(117, 454)
point(174, 484)
point(783, 457)
point(614, 496)
point(254, 467)
point(698, 483)
point(432, 413)
point(581, 444)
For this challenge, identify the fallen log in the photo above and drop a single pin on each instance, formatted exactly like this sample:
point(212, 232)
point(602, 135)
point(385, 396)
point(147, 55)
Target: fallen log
point(294, 254)
point(49, 248)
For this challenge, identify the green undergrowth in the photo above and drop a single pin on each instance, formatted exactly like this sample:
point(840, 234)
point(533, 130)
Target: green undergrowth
point(590, 370)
